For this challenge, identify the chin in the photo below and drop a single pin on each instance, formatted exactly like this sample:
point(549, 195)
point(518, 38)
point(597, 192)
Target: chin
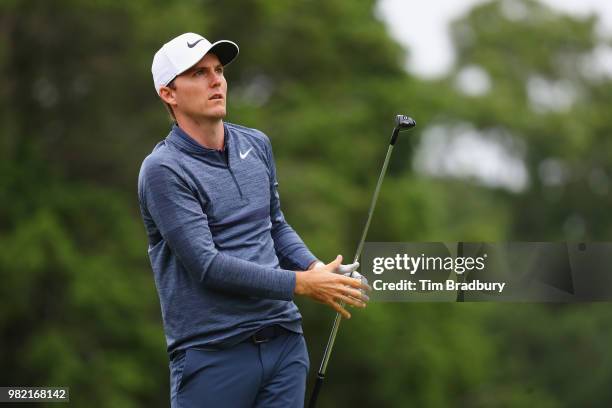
point(218, 114)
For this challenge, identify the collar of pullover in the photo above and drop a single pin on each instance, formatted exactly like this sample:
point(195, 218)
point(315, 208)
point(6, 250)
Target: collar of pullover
point(183, 141)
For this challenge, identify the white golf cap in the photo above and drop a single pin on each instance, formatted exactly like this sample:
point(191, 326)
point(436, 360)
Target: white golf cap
point(182, 52)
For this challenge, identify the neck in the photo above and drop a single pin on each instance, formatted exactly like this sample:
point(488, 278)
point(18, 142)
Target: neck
point(207, 132)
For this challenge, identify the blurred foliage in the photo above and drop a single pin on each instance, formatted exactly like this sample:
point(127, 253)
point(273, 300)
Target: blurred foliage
point(323, 80)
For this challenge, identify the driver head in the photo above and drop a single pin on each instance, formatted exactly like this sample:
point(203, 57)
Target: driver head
point(404, 122)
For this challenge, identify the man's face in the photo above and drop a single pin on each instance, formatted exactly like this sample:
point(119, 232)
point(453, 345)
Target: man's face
point(201, 90)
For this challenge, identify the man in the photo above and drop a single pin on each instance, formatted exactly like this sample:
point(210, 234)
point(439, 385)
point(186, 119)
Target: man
point(226, 263)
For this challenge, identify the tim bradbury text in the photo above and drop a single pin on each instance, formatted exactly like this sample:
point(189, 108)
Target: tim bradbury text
point(428, 285)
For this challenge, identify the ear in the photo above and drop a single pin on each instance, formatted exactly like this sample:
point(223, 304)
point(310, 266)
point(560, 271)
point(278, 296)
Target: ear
point(167, 95)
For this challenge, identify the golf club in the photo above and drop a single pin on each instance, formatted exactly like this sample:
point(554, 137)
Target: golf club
point(402, 122)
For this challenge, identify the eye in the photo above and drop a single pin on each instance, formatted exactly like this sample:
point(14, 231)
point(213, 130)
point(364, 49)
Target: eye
point(219, 70)
point(198, 72)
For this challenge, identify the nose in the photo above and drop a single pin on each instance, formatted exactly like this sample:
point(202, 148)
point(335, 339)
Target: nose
point(215, 79)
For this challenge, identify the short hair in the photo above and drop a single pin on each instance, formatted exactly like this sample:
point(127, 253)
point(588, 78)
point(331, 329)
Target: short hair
point(170, 85)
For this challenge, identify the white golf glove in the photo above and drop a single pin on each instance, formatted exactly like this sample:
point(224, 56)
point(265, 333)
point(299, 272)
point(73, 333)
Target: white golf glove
point(350, 271)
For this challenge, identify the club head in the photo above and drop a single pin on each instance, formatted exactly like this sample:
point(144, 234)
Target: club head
point(404, 122)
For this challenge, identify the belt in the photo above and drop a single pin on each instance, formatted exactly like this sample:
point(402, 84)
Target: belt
point(265, 334)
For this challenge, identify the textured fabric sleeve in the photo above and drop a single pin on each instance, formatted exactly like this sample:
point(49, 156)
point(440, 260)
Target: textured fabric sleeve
point(292, 253)
point(183, 224)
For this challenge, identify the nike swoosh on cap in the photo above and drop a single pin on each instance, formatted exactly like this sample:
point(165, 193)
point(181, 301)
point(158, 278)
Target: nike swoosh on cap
point(193, 44)
point(245, 154)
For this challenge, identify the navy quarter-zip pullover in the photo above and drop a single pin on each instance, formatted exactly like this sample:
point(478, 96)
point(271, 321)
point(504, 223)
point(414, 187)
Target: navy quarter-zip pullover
point(222, 254)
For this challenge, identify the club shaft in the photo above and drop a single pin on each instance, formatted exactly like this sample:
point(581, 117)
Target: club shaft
point(334, 331)
point(373, 204)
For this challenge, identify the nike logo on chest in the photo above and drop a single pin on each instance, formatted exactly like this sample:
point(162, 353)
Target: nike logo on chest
point(245, 154)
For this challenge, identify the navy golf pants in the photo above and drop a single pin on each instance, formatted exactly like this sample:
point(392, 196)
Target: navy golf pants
point(270, 374)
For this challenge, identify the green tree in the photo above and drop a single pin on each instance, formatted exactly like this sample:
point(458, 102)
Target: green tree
point(323, 80)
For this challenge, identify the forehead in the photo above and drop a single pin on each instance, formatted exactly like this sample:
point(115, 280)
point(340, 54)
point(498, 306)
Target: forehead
point(208, 60)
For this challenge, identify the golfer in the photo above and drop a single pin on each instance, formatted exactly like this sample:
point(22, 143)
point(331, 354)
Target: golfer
point(226, 263)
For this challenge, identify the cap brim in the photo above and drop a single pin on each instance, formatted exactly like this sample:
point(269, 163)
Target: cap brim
point(225, 50)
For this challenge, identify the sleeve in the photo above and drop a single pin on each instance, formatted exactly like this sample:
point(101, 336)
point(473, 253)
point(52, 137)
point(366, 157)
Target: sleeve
point(183, 224)
point(292, 253)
